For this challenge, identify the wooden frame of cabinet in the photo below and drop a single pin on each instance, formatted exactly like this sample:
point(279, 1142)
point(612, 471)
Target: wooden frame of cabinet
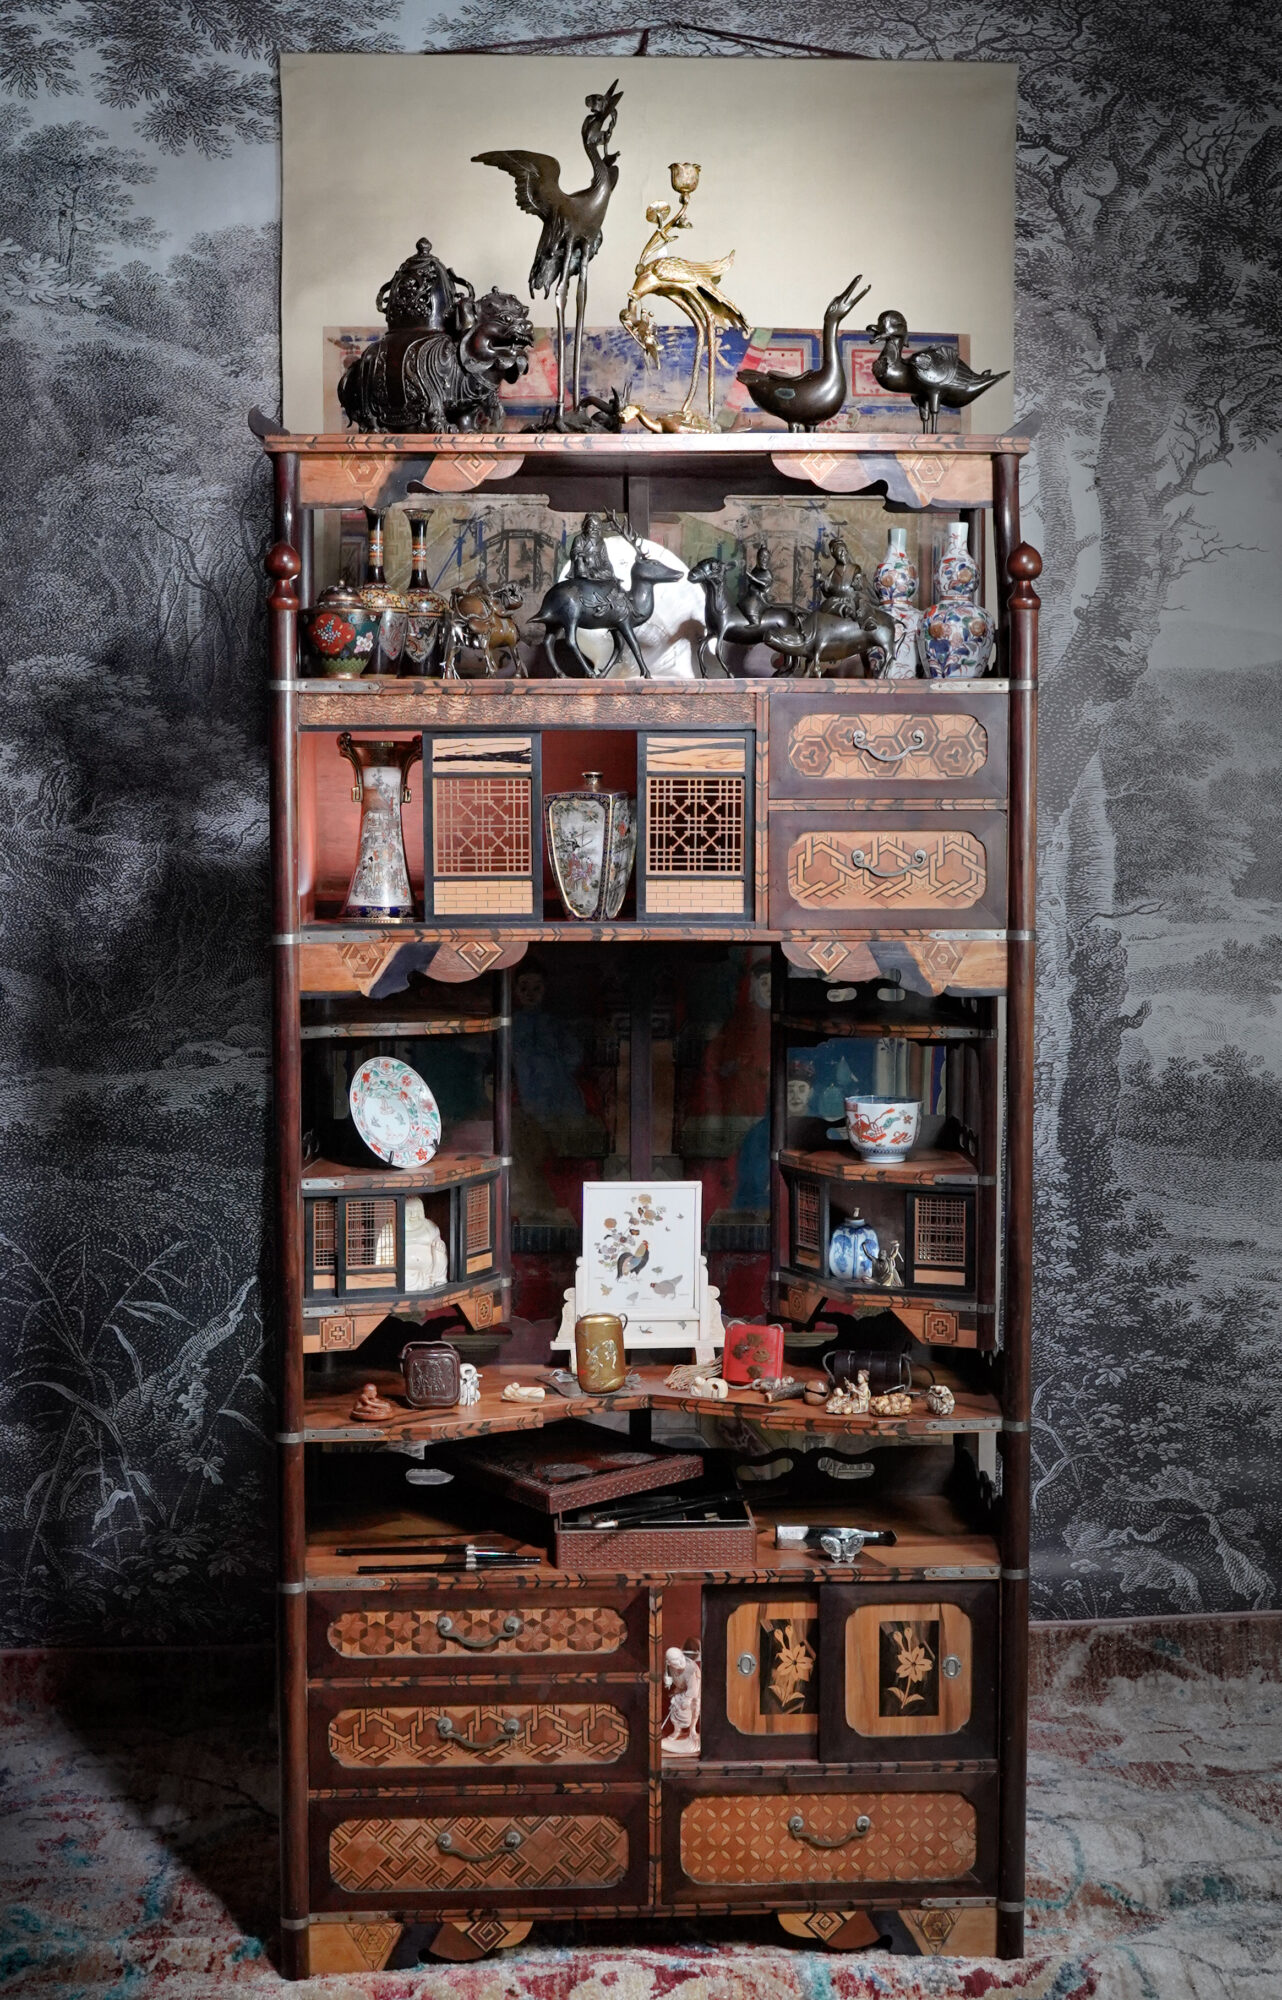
point(978, 946)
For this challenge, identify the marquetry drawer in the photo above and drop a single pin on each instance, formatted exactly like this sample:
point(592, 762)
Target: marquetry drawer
point(834, 871)
point(568, 1729)
point(358, 1635)
point(538, 1850)
point(824, 1834)
point(910, 746)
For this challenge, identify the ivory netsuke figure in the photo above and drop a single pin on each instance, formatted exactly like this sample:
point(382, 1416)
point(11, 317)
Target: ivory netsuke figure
point(683, 1677)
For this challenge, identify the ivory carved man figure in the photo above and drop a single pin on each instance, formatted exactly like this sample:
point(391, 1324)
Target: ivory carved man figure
point(684, 1676)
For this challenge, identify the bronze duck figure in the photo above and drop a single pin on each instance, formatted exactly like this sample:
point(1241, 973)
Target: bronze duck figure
point(931, 376)
point(805, 401)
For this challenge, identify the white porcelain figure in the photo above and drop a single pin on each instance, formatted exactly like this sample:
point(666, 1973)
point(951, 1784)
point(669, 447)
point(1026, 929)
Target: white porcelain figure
point(426, 1257)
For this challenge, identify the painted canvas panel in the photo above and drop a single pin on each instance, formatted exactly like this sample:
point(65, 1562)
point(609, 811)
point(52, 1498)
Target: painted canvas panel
point(641, 1246)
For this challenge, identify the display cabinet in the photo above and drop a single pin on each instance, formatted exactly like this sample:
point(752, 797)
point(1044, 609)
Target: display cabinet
point(467, 1754)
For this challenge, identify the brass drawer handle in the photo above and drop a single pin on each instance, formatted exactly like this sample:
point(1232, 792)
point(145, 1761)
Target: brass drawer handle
point(509, 1727)
point(916, 741)
point(511, 1625)
point(797, 1828)
point(448, 1845)
point(860, 860)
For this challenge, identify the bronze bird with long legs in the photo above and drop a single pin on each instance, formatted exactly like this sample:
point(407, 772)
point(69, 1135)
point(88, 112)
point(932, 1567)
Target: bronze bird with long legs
point(572, 225)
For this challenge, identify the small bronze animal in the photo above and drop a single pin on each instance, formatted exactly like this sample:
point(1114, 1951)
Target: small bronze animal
point(932, 376)
point(803, 401)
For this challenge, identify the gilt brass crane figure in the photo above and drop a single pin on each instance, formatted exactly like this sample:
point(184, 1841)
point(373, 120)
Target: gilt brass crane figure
point(572, 224)
point(695, 289)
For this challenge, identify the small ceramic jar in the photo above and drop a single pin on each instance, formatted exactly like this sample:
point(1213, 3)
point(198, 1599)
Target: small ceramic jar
point(851, 1249)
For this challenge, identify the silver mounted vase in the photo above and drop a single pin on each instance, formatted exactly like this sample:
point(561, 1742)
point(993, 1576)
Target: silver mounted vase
point(592, 844)
point(380, 886)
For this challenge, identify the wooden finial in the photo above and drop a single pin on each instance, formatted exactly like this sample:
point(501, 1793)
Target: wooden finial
point(283, 565)
point(1023, 565)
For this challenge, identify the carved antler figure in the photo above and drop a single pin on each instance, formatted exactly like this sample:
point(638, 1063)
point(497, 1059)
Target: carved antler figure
point(695, 289)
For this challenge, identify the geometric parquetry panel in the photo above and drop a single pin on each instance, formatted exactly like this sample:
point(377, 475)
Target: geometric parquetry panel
point(947, 745)
point(479, 1735)
point(381, 1635)
point(922, 869)
point(491, 1852)
point(914, 1836)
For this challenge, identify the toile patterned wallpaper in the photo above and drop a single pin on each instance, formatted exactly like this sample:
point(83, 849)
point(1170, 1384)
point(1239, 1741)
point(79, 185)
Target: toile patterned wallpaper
point(137, 312)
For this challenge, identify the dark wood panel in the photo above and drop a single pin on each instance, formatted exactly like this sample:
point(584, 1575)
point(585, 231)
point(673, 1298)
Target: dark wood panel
point(769, 1714)
point(908, 1673)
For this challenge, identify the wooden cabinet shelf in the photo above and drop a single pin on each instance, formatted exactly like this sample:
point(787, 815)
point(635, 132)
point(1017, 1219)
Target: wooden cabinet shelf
point(927, 1167)
point(485, 1747)
point(445, 1170)
point(327, 1410)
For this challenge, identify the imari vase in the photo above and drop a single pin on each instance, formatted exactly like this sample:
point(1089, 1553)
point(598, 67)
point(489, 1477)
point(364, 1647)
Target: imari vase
point(592, 843)
point(380, 885)
point(956, 635)
point(895, 582)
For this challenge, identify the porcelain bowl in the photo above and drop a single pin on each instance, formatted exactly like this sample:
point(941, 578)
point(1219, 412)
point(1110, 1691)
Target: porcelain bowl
point(882, 1128)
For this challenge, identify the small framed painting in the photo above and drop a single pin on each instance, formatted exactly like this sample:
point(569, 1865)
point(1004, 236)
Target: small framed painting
point(642, 1245)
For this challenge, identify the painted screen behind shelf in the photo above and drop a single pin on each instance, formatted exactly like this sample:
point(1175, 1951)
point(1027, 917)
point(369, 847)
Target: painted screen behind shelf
point(812, 170)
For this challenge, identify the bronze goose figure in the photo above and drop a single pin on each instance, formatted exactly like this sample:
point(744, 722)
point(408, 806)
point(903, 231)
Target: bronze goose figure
point(931, 376)
point(804, 401)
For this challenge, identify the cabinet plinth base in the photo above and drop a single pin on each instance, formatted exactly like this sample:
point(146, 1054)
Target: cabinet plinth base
point(372, 1947)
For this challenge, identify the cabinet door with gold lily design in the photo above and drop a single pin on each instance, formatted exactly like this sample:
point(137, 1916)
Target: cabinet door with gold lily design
point(761, 1675)
point(908, 1673)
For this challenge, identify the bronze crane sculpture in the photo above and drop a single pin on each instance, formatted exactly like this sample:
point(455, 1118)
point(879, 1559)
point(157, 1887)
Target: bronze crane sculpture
point(572, 224)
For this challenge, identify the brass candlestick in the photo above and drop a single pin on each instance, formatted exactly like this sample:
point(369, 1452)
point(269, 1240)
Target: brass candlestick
point(695, 289)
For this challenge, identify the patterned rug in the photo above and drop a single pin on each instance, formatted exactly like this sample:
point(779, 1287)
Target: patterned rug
point(137, 1843)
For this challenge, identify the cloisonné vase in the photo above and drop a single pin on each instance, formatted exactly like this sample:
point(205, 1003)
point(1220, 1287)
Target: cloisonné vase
point(956, 636)
point(379, 890)
point(895, 582)
point(592, 844)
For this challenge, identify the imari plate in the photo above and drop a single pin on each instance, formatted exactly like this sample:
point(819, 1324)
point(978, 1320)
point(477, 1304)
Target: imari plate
point(395, 1112)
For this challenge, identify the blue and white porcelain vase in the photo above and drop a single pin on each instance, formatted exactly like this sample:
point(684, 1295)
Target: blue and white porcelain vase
point(895, 582)
point(956, 635)
point(851, 1249)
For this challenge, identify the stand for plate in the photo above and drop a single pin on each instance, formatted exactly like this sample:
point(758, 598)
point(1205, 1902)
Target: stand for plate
point(703, 1329)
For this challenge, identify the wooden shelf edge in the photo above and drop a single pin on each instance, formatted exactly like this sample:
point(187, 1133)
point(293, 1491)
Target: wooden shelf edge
point(927, 1168)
